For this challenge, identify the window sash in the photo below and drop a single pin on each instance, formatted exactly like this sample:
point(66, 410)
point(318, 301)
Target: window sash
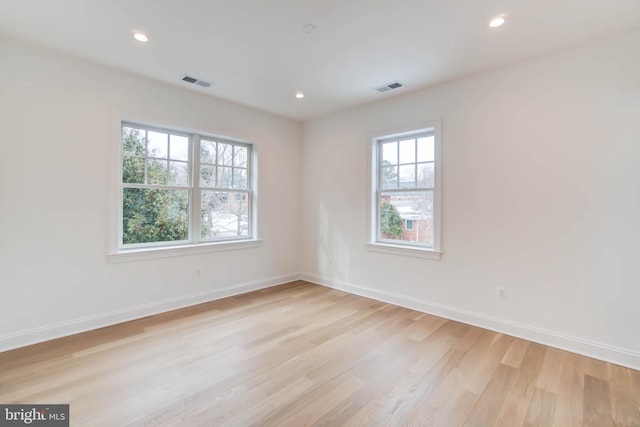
point(380, 158)
point(378, 231)
point(249, 200)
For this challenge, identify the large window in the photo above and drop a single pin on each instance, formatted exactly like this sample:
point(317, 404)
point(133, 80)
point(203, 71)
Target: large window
point(181, 188)
point(405, 196)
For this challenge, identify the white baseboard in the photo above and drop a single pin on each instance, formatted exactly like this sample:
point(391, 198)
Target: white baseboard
point(605, 352)
point(596, 350)
point(62, 329)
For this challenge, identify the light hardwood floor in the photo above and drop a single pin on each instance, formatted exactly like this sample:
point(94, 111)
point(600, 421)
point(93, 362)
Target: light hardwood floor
point(300, 355)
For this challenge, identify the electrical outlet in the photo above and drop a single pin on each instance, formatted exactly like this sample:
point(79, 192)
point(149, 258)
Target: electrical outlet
point(501, 293)
point(198, 273)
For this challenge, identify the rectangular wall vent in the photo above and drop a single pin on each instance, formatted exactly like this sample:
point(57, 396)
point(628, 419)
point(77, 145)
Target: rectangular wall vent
point(198, 82)
point(388, 86)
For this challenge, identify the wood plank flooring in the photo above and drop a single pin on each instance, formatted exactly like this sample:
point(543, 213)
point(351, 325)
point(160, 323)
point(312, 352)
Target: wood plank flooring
point(304, 355)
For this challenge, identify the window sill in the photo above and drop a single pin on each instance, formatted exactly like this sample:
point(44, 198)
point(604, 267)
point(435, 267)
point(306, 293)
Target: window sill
point(410, 251)
point(171, 251)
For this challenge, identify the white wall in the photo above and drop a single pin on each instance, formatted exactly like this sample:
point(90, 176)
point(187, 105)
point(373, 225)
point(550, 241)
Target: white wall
point(541, 196)
point(55, 136)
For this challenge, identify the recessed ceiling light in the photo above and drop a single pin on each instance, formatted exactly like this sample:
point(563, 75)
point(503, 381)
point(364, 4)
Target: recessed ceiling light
point(299, 95)
point(497, 21)
point(141, 37)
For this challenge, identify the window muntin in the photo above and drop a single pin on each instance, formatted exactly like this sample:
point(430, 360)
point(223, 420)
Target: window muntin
point(404, 189)
point(166, 174)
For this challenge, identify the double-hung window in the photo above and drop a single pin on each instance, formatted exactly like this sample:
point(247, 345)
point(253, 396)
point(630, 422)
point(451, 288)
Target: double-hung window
point(406, 190)
point(180, 188)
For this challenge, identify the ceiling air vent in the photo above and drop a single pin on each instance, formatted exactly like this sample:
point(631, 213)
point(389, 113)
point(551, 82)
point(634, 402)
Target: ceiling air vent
point(193, 80)
point(388, 86)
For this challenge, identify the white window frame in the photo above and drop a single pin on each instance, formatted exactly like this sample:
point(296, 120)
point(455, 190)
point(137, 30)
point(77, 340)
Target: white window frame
point(118, 252)
point(398, 247)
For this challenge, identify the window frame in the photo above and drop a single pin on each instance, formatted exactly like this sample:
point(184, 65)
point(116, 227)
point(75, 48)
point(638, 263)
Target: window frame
point(118, 251)
point(374, 241)
point(247, 191)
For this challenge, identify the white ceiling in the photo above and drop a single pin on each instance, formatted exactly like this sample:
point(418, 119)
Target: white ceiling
point(256, 54)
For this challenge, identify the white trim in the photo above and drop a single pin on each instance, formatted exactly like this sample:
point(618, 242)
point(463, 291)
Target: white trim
point(437, 187)
point(435, 128)
point(115, 176)
point(605, 352)
point(253, 177)
point(71, 327)
point(195, 200)
point(404, 250)
point(170, 251)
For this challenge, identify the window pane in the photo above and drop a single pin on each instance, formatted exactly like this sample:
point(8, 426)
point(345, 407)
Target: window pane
point(154, 215)
point(208, 152)
point(156, 172)
point(157, 145)
point(208, 176)
point(224, 177)
point(179, 147)
point(408, 176)
point(225, 154)
point(239, 178)
point(389, 177)
point(408, 151)
point(390, 153)
point(133, 142)
point(426, 175)
point(133, 170)
point(240, 156)
point(179, 173)
point(398, 208)
point(224, 214)
point(426, 151)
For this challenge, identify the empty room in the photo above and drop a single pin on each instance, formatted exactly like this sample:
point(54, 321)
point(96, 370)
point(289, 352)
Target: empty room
point(319, 213)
